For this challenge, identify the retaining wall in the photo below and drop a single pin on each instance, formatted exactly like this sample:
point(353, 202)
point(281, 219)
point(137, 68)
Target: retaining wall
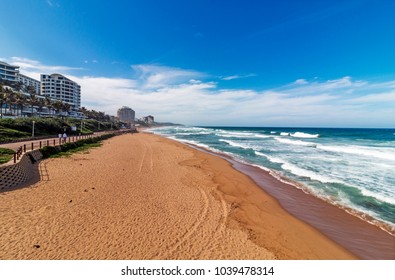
point(12, 176)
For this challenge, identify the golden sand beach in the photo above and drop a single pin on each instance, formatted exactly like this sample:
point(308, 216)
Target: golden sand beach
point(142, 196)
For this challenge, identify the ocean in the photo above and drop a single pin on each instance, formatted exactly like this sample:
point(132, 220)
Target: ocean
point(353, 169)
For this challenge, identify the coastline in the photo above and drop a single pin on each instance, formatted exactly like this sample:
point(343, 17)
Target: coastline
point(133, 209)
point(365, 240)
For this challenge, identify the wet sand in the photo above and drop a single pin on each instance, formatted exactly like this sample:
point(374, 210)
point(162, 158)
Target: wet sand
point(367, 241)
point(145, 197)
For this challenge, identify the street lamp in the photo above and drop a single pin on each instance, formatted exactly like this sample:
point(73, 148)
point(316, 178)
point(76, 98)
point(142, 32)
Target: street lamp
point(33, 130)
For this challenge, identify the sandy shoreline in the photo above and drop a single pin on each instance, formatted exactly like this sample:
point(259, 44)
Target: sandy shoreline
point(145, 197)
point(365, 240)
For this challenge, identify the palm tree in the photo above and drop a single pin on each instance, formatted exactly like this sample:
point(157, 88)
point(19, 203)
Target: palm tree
point(40, 104)
point(3, 99)
point(66, 107)
point(84, 111)
point(10, 98)
point(57, 105)
point(18, 86)
point(33, 101)
point(48, 104)
point(20, 99)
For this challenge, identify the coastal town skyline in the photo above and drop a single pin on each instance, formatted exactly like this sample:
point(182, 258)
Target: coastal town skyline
point(326, 64)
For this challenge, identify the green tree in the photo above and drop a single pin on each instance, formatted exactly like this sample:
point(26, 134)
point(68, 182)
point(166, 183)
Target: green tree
point(84, 111)
point(20, 100)
point(66, 107)
point(49, 104)
point(10, 98)
point(57, 105)
point(40, 104)
point(3, 99)
point(33, 100)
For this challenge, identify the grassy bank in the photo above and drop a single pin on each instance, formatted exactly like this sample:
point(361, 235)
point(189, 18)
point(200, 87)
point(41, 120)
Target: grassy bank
point(6, 155)
point(69, 148)
point(21, 128)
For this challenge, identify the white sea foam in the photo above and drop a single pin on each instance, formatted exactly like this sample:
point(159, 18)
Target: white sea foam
point(192, 142)
point(193, 133)
point(295, 142)
point(297, 170)
point(271, 158)
point(262, 136)
point(284, 133)
point(307, 173)
point(230, 134)
point(382, 153)
point(273, 132)
point(378, 196)
point(304, 135)
point(235, 144)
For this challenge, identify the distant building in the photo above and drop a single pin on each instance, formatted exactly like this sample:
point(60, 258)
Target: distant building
point(27, 81)
point(126, 115)
point(148, 119)
point(59, 87)
point(11, 74)
point(8, 72)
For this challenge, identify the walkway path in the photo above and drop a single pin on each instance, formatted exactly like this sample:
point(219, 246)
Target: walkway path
point(30, 145)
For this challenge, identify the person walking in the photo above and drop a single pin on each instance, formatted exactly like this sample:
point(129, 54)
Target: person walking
point(64, 137)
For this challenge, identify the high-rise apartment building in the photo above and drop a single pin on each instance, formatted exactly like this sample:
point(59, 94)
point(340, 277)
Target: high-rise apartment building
point(27, 81)
point(126, 115)
point(8, 72)
point(59, 87)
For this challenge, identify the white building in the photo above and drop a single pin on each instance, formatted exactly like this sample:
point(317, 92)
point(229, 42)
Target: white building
point(126, 115)
point(59, 87)
point(27, 81)
point(8, 72)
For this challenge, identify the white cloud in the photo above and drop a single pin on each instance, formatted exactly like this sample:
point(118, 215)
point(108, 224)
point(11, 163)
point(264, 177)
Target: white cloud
point(189, 97)
point(157, 76)
point(234, 77)
point(301, 82)
point(34, 68)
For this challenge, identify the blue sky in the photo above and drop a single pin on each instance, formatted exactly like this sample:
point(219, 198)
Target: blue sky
point(248, 63)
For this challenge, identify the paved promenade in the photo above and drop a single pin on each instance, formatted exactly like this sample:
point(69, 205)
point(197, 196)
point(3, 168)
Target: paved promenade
point(35, 144)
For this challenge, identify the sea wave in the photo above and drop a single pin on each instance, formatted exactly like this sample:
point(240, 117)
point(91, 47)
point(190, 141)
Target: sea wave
point(295, 142)
point(191, 142)
point(235, 144)
point(262, 136)
point(271, 158)
point(382, 153)
point(378, 196)
point(297, 170)
point(301, 172)
point(304, 135)
point(193, 133)
point(228, 134)
point(285, 133)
